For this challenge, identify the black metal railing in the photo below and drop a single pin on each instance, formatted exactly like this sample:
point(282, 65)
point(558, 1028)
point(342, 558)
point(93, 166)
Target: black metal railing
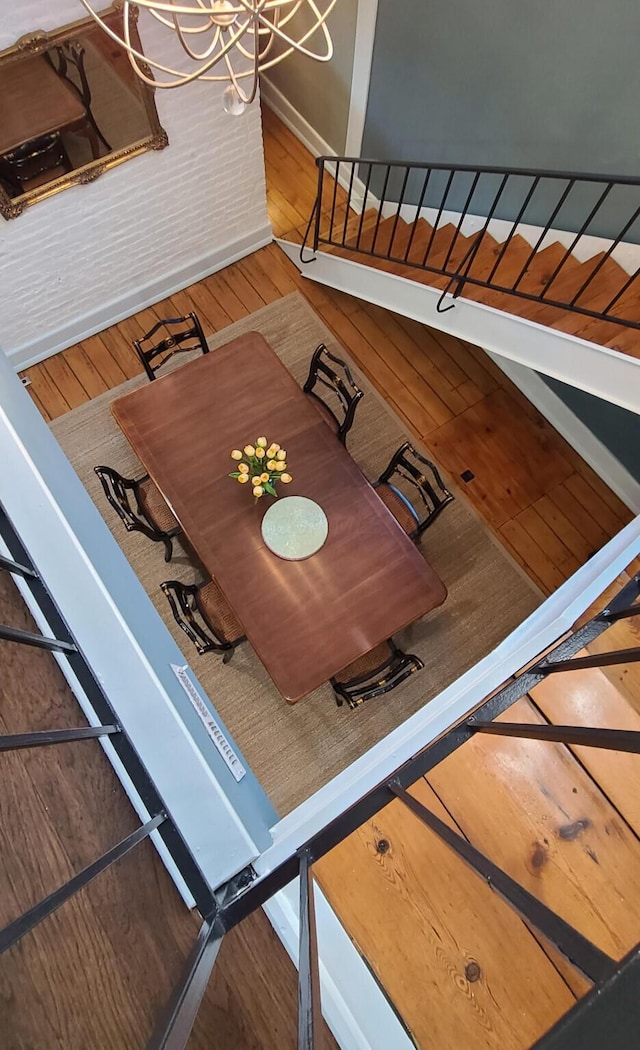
point(19, 564)
point(616, 983)
point(610, 977)
point(413, 215)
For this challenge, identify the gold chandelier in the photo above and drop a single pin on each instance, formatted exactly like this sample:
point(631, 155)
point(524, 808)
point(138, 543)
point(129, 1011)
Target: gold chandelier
point(228, 40)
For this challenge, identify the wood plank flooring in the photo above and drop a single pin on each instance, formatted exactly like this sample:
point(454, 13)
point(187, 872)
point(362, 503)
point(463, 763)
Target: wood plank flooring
point(99, 971)
point(563, 822)
point(549, 509)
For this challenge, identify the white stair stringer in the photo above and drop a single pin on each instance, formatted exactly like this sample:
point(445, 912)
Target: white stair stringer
point(606, 373)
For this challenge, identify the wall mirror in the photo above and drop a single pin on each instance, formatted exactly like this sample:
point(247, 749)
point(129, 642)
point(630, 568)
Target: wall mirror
point(72, 108)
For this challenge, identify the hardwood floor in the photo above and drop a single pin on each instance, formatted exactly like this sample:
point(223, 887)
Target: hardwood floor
point(443, 933)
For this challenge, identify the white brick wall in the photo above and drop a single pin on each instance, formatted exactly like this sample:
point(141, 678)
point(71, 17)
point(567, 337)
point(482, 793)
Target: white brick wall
point(91, 254)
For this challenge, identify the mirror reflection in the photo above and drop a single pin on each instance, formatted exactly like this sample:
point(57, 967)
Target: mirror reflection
point(72, 107)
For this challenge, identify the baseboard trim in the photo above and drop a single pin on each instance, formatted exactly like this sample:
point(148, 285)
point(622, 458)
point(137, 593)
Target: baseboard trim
point(309, 137)
point(138, 299)
point(573, 430)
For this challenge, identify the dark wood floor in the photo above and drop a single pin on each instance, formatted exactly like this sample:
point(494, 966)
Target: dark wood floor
point(98, 971)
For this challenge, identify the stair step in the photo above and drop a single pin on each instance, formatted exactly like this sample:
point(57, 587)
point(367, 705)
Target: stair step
point(517, 263)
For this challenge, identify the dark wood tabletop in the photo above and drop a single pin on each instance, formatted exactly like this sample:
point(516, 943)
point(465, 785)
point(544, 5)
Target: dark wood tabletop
point(35, 102)
point(306, 620)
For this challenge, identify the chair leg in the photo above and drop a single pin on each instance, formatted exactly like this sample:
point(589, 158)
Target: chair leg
point(168, 543)
point(228, 654)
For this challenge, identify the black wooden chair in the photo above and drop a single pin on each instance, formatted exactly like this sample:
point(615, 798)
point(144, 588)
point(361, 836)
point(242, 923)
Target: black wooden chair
point(34, 163)
point(331, 377)
point(181, 335)
point(374, 674)
point(151, 515)
point(425, 496)
point(202, 612)
point(67, 60)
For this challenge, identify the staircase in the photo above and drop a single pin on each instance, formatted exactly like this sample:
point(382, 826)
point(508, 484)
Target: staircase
point(568, 284)
point(397, 246)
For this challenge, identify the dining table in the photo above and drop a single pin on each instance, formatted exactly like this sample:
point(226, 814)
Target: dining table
point(307, 619)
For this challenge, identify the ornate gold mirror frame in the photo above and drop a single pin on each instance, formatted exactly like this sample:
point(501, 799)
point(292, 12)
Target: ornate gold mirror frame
point(48, 77)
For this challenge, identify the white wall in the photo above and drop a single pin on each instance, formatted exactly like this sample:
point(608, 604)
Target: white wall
point(90, 255)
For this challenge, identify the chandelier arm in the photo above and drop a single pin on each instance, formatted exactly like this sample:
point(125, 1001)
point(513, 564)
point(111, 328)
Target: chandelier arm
point(234, 78)
point(319, 24)
point(258, 10)
point(185, 46)
point(170, 24)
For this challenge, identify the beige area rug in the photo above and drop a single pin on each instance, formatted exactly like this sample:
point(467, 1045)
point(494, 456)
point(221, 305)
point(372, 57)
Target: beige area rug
point(295, 750)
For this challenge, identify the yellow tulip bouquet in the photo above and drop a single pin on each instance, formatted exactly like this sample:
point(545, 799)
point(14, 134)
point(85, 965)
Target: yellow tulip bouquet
point(261, 466)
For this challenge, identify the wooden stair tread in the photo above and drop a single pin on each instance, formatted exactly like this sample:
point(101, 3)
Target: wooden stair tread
point(434, 917)
point(589, 698)
point(566, 842)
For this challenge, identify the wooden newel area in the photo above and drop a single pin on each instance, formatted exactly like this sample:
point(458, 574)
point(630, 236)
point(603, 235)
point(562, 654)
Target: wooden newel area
point(306, 620)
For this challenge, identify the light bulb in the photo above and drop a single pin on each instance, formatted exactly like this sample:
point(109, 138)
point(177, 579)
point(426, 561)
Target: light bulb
point(232, 102)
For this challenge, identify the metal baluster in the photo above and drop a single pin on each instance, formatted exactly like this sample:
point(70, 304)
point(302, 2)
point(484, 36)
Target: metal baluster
point(439, 215)
point(595, 964)
point(16, 568)
point(12, 933)
point(381, 204)
point(544, 233)
point(423, 194)
point(348, 209)
point(610, 739)
point(18, 741)
point(364, 205)
point(309, 1013)
point(606, 256)
point(463, 215)
point(577, 237)
point(578, 663)
point(398, 209)
point(39, 641)
point(516, 223)
point(175, 1028)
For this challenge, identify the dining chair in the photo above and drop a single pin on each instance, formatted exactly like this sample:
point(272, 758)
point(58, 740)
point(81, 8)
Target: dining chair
point(374, 674)
point(34, 163)
point(181, 334)
point(67, 60)
point(151, 515)
point(202, 612)
point(425, 497)
point(331, 376)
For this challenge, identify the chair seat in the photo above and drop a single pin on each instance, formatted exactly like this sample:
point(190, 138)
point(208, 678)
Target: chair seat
point(398, 508)
point(365, 665)
point(215, 609)
point(155, 506)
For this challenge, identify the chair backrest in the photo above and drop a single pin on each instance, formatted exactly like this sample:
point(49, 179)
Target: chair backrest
point(385, 676)
point(68, 62)
point(32, 159)
point(172, 335)
point(117, 489)
point(330, 376)
point(183, 599)
point(417, 483)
